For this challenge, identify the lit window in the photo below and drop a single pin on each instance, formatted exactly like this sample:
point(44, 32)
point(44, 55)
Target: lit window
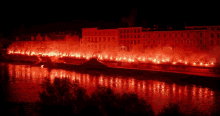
point(212, 36)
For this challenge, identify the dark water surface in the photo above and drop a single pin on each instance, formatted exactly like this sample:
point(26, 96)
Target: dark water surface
point(159, 90)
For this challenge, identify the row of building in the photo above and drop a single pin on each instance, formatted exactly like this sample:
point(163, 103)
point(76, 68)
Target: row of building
point(139, 38)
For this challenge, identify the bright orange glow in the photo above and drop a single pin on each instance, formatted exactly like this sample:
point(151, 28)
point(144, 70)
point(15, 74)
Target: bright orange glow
point(186, 62)
point(201, 63)
point(174, 62)
point(194, 63)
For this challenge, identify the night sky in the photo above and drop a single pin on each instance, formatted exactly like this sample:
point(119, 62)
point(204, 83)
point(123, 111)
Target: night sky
point(35, 15)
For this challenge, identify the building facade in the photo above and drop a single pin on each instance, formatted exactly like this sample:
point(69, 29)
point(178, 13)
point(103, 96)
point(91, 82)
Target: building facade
point(99, 39)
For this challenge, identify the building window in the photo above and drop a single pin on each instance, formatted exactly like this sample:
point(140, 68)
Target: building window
point(217, 34)
point(212, 28)
point(131, 36)
point(212, 42)
point(138, 36)
point(153, 41)
point(113, 38)
point(88, 38)
point(127, 41)
point(187, 41)
point(170, 35)
point(131, 31)
point(138, 41)
point(176, 41)
point(131, 41)
point(181, 34)
point(164, 35)
point(134, 31)
point(218, 42)
point(95, 33)
point(104, 39)
point(100, 39)
point(124, 31)
point(194, 42)
point(200, 41)
point(124, 41)
point(127, 31)
point(124, 36)
point(134, 41)
point(120, 31)
point(103, 32)
point(175, 34)
point(212, 36)
point(134, 36)
point(181, 41)
point(108, 38)
point(95, 38)
point(164, 41)
point(120, 36)
point(159, 35)
point(144, 35)
point(200, 34)
point(138, 31)
point(148, 41)
point(188, 35)
point(149, 35)
point(108, 32)
point(159, 41)
point(127, 36)
point(121, 40)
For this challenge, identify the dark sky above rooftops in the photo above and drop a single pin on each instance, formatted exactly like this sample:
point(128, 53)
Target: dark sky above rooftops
point(65, 16)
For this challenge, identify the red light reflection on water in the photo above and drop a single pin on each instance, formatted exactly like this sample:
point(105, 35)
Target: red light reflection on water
point(156, 93)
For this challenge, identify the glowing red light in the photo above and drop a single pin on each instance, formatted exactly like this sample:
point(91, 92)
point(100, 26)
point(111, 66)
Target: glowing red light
point(174, 62)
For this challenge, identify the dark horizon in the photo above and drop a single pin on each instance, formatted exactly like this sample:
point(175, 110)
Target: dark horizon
point(47, 19)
